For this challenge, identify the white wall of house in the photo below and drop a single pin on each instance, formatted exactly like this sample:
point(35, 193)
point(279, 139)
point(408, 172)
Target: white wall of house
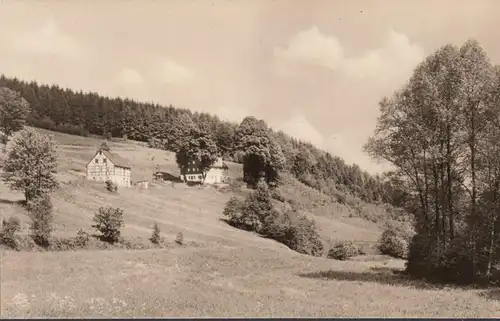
point(102, 169)
point(214, 176)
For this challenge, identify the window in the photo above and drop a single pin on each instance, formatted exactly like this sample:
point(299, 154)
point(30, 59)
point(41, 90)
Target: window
point(97, 161)
point(104, 160)
point(199, 176)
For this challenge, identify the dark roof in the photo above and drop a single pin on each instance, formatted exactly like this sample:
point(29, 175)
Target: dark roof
point(117, 160)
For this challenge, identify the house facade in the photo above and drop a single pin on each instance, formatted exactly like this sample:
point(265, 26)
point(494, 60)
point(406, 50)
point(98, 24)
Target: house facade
point(217, 174)
point(108, 166)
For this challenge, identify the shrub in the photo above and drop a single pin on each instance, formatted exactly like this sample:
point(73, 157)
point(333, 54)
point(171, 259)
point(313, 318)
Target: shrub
point(82, 239)
point(452, 265)
point(111, 186)
point(234, 211)
point(8, 232)
point(40, 212)
point(155, 235)
point(62, 244)
point(393, 245)
point(249, 214)
point(179, 239)
point(343, 251)
point(109, 221)
point(298, 232)
point(396, 238)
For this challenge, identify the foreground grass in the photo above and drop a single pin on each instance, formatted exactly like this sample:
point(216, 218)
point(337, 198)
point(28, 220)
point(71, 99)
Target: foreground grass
point(221, 282)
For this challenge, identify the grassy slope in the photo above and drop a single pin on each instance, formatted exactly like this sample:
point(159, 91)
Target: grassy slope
point(231, 273)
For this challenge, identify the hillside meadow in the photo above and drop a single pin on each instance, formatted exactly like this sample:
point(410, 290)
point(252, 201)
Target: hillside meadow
point(222, 272)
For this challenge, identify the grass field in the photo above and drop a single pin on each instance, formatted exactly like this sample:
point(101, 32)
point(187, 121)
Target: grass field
point(229, 273)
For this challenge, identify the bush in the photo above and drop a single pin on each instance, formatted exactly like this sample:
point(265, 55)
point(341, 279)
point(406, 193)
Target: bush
point(109, 221)
point(8, 232)
point(155, 235)
point(396, 238)
point(234, 212)
point(297, 232)
point(250, 214)
point(343, 251)
point(82, 239)
point(111, 186)
point(453, 265)
point(40, 212)
point(179, 239)
point(393, 245)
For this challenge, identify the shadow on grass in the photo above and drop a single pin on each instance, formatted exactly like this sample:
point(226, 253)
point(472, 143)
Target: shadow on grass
point(491, 294)
point(11, 202)
point(381, 275)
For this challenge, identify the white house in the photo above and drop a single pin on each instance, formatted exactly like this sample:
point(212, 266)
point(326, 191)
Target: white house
point(217, 174)
point(108, 166)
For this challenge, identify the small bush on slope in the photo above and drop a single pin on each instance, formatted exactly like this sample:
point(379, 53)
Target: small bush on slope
point(8, 232)
point(155, 235)
point(179, 239)
point(250, 213)
point(298, 232)
point(40, 212)
point(396, 238)
point(109, 221)
point(256, 213)
point(343, 251)
point(111, 186)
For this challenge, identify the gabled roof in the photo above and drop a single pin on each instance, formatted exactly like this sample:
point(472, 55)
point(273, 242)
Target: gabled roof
point(117, 160)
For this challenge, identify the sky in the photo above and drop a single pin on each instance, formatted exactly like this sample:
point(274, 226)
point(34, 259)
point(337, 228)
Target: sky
point(314, 69)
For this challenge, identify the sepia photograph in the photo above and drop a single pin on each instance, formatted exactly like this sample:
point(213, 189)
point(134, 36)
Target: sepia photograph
point(249, 159)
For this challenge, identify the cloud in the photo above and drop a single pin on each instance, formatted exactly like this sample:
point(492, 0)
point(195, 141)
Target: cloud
point(49, 40)
point(298, 126)
point(174, 73)
point(130, 76)
point(313, 47)
point(393, 60)
point(343, 145)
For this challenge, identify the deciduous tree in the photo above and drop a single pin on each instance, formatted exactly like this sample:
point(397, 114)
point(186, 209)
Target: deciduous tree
point(30, 164)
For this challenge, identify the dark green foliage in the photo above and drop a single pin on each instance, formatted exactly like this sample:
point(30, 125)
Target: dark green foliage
point(109, 221)
point(40, 211)
point(155, 235)
point(8, 232)
point(343, 251)
point(111, 186)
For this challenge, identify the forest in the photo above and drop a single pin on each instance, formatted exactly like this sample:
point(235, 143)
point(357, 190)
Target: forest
point(167, 127)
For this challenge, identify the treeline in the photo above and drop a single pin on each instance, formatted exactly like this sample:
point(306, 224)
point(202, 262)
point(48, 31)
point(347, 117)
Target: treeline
point(442, 133)
point(80, 113)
